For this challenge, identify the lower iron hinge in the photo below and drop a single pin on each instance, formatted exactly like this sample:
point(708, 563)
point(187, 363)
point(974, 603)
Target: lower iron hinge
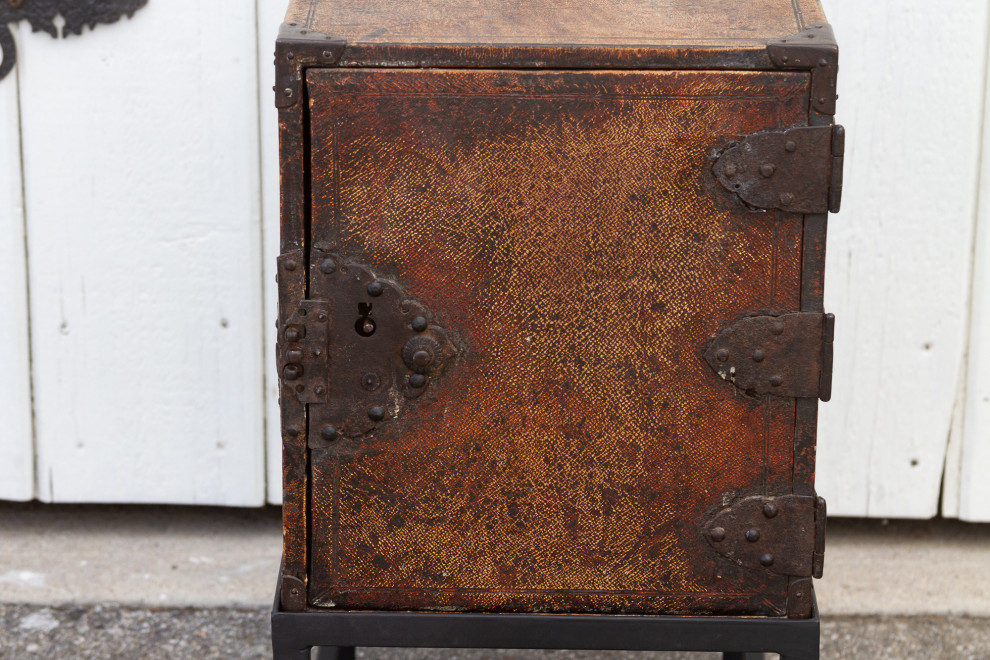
point(782, 534)
point(302, 350)
point(786, 355)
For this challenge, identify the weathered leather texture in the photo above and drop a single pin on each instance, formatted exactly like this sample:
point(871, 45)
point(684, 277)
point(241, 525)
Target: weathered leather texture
point(567, 229)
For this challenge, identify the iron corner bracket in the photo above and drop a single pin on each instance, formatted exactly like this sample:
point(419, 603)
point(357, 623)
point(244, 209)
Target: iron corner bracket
point(812, 49)
point(296, 49)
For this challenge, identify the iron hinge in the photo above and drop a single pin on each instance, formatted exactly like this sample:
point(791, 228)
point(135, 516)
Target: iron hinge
point(786, 355)
point(297, 49)
point(798, 170)
point(302, 350)
point(782, 534)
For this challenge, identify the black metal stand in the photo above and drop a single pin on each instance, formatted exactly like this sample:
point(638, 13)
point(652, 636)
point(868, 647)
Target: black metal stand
point(337, 634)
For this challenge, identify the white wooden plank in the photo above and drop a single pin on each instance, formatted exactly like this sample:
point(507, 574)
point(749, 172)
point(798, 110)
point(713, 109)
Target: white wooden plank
point(974, 460)
point(16, 441)
point(270, 15)
point(911, 81)
point(953, 454)
point(142, 193)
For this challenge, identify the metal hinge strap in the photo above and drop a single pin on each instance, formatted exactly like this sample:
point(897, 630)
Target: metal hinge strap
point(786, 355)
point(798, 170)
point(782, 534)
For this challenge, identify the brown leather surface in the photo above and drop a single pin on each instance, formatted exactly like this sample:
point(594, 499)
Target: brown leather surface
point(566, 228)
point(688, 22)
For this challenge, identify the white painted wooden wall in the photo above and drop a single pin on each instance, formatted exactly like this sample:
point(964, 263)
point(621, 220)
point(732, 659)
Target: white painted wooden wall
point(139, 221)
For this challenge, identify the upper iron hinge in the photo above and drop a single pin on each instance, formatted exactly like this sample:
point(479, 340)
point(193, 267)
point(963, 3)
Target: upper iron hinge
point(789, 355)
point(782, 534)
point(297, 49)
point(798, 170)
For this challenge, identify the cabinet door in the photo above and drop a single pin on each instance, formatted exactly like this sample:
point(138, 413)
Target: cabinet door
point(563, 237)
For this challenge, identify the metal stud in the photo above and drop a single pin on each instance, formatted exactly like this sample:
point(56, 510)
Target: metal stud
point(790, 145)
point(292, 431)
point(776, 380)
point(767, 169)
point(778, 327)
point(375, 289)
point(376, 413)
point(422, 358)
point(730, 170)
point(330, 433)
point(420, 323)
point(770, 510)
point(752, 535)
point(371, 381)
point(767, 559)
point(293, 333)
point(319, 390)
point(288, 92)
point(786, 198)
point(417, 380)
point(321, 317)
point(328, 266)
point(758, 355)
point(722, 354)
point(291, 264)
point(292, 371)
point(718, 534)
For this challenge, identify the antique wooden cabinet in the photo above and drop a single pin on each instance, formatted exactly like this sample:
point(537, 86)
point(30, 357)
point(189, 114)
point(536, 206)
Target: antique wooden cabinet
point(551, 335)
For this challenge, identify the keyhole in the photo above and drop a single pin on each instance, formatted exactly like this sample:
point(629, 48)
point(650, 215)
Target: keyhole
point(365, 325)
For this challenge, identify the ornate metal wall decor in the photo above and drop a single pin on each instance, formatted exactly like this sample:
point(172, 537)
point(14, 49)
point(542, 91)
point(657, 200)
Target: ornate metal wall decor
point(41, 15)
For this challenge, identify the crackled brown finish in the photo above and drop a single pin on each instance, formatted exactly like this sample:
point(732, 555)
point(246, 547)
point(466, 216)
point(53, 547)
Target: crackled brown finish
point(534, 33)
point(567, 227)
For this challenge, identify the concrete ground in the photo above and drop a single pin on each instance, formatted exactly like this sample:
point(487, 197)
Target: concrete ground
point(175, 582)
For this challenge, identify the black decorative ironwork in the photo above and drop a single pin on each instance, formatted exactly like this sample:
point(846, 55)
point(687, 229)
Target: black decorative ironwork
point(41, 15)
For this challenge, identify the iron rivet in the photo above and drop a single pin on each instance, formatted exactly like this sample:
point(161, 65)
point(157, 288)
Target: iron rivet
point(317, 352)
point(294, 355)
point(722, 354)
point(758, 355)
point(376, 413)
point(823, 62)
point(291, 264)
point(287, 91)
point(330, 433)
point(821, 99)
point(290, 55)
point(292, 371)
point(730, 170)
point(294, 591)
point(292, 431)
point(422, 358)
point(419, 323)
point(319, 390)
point(790, 145)
point(718, 534)
point(375, 289)
point(321, 317)
point(417, 380)
point(327, 54)
point(767, 559)
point(799, 594)
point(776, 380)
point(786, 198)
point(769, 510)
point(292, 334)
point(371, 381)
point(778, 327)
point(753, 535)
point(767, 169)
point(785, 58)
point(328, 266)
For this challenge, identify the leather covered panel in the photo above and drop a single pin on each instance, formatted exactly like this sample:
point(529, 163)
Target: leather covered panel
point(566, 227)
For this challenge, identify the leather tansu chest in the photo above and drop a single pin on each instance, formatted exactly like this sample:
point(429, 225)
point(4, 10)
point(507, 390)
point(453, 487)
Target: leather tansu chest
point(551, 335)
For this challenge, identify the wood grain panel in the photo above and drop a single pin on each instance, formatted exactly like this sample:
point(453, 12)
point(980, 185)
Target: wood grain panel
point(141, 170)
point(900, 251)
point(16, 442)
